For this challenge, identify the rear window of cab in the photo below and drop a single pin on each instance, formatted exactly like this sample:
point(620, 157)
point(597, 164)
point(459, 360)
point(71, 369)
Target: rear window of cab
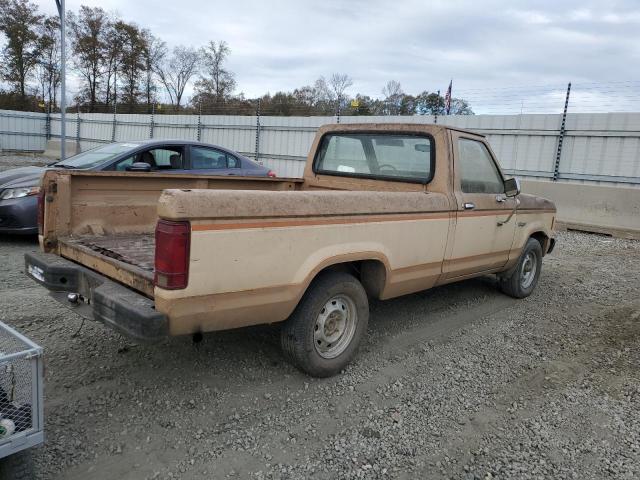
point(399, 157)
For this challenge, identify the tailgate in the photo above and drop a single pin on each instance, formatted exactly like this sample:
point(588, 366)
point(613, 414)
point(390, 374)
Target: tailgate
point(128, 259)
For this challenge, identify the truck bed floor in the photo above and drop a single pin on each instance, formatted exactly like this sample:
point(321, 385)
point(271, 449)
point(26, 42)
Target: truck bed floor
point(126, 258)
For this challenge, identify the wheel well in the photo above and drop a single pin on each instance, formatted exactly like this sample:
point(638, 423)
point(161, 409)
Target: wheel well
point(543, 239)
point(372, 274)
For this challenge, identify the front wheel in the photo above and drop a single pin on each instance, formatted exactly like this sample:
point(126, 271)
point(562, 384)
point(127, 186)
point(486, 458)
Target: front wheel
point(323, 334)
point(521, 281)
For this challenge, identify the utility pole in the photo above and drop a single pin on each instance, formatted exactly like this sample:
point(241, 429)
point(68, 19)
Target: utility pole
point(63, 74)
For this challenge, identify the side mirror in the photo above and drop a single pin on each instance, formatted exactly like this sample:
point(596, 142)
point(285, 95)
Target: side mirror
point(512, 187)
point(138, 167)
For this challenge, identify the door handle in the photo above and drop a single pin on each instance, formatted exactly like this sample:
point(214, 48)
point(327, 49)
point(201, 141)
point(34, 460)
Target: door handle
point(469, 206)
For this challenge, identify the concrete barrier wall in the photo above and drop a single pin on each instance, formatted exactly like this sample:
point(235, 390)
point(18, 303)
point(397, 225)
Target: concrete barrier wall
point(597, 208)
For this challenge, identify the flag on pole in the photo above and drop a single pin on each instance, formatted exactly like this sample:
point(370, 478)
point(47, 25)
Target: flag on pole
point(447, 98)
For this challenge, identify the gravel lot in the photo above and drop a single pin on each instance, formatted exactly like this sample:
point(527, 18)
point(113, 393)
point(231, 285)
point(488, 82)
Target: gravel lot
point(457, 382)
point(12, 161)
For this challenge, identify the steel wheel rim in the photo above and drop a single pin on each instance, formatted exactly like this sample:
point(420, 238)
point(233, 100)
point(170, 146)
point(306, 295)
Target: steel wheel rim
point(528, 270)
point(335, 326)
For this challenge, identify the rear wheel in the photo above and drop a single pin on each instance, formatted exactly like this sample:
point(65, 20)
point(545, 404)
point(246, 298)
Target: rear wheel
point(323, 334)
point(521, 281)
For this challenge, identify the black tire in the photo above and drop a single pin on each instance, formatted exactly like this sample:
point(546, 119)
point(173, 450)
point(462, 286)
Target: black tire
point(513, 282)
point(18, 466)
point(299, 334)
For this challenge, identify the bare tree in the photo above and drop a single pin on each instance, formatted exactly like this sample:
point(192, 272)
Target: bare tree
point(393, 97)
point(391, 89)
point(176, 72)
point(216, 83)
point(338, 83)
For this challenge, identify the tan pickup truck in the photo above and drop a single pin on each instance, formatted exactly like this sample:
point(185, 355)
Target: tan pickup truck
point(383, 210)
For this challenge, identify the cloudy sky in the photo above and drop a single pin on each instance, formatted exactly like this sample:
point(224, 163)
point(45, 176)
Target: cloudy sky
point(491, 48)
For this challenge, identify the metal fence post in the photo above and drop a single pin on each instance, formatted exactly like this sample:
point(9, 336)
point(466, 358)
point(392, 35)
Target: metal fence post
point(199, 120)
point(152, 124)
point(78, 149)
point(113, 126)
point(556, 168)
point(257, 152)
point(47, 125)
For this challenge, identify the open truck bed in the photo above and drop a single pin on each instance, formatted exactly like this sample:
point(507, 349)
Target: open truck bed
point(127, 258)
point(105, 221)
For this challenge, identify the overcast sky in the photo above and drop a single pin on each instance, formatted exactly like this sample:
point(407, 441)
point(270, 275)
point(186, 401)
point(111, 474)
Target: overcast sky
point(280, 45)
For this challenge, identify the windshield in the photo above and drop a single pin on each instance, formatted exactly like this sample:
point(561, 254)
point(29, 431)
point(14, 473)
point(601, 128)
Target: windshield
point(97, 156)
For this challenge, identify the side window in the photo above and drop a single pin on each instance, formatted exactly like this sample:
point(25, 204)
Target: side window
point(233, 162)
point(158, 158)
point(478, 172)
point(207, 158)
point(167, 159)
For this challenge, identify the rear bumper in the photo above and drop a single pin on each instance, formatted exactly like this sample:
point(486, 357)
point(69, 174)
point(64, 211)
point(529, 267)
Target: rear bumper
point(118, 307)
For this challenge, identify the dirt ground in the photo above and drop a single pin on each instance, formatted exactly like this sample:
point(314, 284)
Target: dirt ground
point(457, 382)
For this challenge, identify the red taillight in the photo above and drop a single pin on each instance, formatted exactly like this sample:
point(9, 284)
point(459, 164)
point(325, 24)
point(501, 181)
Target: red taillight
point(271, 174)
point(173, 240)
point(41, 210)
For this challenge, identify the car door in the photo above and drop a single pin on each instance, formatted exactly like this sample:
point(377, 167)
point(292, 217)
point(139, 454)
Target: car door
point(485, 226)
point(214, 161)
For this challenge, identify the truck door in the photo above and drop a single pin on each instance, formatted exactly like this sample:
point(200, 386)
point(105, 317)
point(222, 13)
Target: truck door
point(484, 225)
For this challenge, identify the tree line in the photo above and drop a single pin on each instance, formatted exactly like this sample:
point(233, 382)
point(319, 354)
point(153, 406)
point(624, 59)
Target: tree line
point(125, 67)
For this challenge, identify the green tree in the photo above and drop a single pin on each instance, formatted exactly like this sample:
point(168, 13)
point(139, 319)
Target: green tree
point(429, 104)
point(460, 106)
point(88, 33)
point(48, 68)
point(154, 51)
point(19, 22)
point(131, 62)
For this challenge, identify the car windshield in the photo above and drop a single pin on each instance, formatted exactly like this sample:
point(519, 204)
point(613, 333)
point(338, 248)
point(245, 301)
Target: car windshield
point(97, 156)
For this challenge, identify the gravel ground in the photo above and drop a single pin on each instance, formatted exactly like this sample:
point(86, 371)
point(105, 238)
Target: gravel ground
point(8, 161)
point(457, 382)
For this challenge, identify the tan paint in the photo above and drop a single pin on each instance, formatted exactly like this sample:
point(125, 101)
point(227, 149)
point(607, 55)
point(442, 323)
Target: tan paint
point(255, 252)
point(96, 203)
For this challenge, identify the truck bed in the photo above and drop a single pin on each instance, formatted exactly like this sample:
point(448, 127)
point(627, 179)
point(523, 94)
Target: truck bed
point(127, 258)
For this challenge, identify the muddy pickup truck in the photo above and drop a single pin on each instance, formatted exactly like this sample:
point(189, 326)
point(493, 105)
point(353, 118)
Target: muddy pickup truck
point(382, 211)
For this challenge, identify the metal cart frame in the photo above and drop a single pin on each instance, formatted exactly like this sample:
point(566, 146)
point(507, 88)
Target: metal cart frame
point(28, 356)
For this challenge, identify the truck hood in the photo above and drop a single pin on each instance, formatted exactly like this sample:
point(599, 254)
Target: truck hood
point(20, 177)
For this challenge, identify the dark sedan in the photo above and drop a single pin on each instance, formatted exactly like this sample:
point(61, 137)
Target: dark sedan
point(19, 187)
